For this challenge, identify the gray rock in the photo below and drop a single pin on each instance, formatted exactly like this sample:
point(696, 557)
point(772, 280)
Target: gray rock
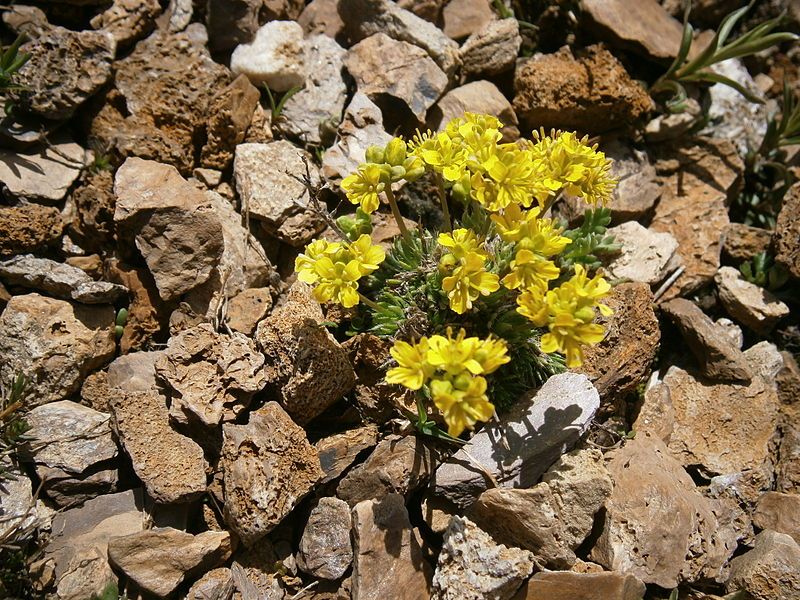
point(59, 279)
point(275, 57)
point(472, 566)
point(314, 112)
point(339, 451)
point(385, 68)
point(213, 584)
point(646, 256)
point(543, 426)
point(325, 550)
point(747, 303)
point(770, 571)
point(54, 343)
point(42, 173)
point(492, 49)
point(17, 506)
point(127, 20)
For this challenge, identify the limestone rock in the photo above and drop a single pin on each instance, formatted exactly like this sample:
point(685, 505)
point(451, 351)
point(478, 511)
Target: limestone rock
point(155, 206)
point(592, 94)
point(742, 242)
point(146, 310)
point(322, 16)
point(17, 506)
point(127, 20)
point(339, 451)
point(710, 344)
point(478, 97)
point(159, 560)
point(388, 559)
point(230, 112)
point(492, 49)
point(462, 18)
point(566, 585)
point(646, 256)
point(472, 566)
point(28, 228)
point(42, 173)
point(305, 366)
point(787, 232)
point(247, 308)
point(770, 571)
point(54, 343)
point(275, 57)
point(269, 467)
point(212, 377)
point(637, 190)
point(65, 69)
point(750, 305)
point(325, 550)
point(385, 68)
point(539, 429)
point(212, 584)
point(779, 512)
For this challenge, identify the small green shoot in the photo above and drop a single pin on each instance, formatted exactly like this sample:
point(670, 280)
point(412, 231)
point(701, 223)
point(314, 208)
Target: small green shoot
point(11, 61)
point(276, 103)
point(764, 272)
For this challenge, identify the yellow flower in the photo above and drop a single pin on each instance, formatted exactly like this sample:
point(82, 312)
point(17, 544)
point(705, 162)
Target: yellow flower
point(367, 255)
point(568, 335)
point(441, 153)
point(507, 176)
point(529, 231)
point(337, 282)
point(363, 186)
point(468, 281)
point(532, 304)
point(492, 354)
point(454, 355)
point(463, 402)
point(304, 263)
point(462, 242)
point(530, 270)
point(413, 368)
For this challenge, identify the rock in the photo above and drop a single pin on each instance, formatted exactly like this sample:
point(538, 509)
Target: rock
point(472, 566)
point(28, 228)
point(314, 112)
point(592, 94)
point(247, 308)
point(92, 225)
point(766, 361)
point(65, 69)
point(710, 344)
point(770, 571)
point(155, 205)
point(17, 506)
point(618, 364)
point(231, 23)
point(637, 190)
point(213, 584)
point(41, 173)
point(565, 585)
point(386, 69)
point(492, 49)
point(275, 57)
point(646, 256)
point(127, 20)
point(269, 467)
point(171, 466)
point(658, 527)
point(322, 17)
point(159, 560)
point(58, 279)
point(146, 311)
point(787, 232)
point(325, 550)
point(748, 304)
point(231, 111)
point(263, 174)
point(54, 343)
point(339, 451)
point(364, 18)
point(779, 512)
point(642, 27)
point(361, 128)
point(478, 97)
point(539, 429)
point(398, 465)
point(165, 75)
point(463, 18)
point(552, 518)
point(742, 242)
point(211, 376)
point(29, 20)
point(305, 366)
point(388, 559)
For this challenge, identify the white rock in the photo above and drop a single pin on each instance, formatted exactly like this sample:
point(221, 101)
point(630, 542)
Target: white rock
point(276, 56)
point(41, 173)
point(748, 303)
point(646, 255)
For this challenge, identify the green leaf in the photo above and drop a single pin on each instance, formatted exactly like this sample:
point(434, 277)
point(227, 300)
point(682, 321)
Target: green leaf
point(711, 77)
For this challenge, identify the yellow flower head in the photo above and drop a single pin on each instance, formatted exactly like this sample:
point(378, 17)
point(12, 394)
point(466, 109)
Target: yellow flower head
point(568, 334)
point(468, 281)
point(304, 263)
point(441, 153)
point(507, 176)
point(336, 282)
point(413, 369)
point(369, 257)
point(462, 242)
point(532, 304)
point(587, 292)
point(454, 355)
point(363, 186)
point(530, 270)
point(463, 402)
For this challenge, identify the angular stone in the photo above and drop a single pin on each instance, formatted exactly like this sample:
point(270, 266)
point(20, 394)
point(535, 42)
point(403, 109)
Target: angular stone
point(42, 173)
point(212, 377)
point(779, 512)
point(592, 94)
point(388, 559)
point(92, 225)
point(54, 343)
point(306, 367)
point(476, 96)
point(472, 566)
point(325, 550)
point(387, 69)
point(322, 16)
point(156, 206)
point(787, 232)
point(747, 303)
point(213, 584)
point(269, 467)
point(230, 111)
point(538, 430)
point(491, 50)
point(742, 242)
point(658, 527)
point(770, 571)
point(127, 20)
point(146, 310)
point(275, 57)
point(637, 190)
point(462, 18)
point(231, 23)
point(339, 451)
point(17, 506)
point(247, 308)
point(710, 344)
point(646, 256)
point(65, 489)
point(159, 560)
point(566, 585)
point(28, 228)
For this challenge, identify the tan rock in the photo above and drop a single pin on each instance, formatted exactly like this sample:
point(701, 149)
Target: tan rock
point(742, 242)
point(127, 20)
point(321, 16)
point(779, 512)
point(747, 303)
point(787, 232)
point(492, 49)
point(247, 308)
point(42, 173)
point(92, 225)
point(269, 467)
point(478, 97)
point(147, 313)
point(231, 111)
point(212, 584)
point(770, 571)
point(339, 451)
point(28, 227)
point(274, 57)
point(464, 17)
point(565, 585)
point(646, 256)
point(325, 550)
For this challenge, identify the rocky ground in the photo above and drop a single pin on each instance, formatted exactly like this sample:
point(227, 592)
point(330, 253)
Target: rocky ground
point(196, 428)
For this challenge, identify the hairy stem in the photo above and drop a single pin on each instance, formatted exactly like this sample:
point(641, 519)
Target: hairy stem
point(443, 199)
point(396, 211)
point(372, 304)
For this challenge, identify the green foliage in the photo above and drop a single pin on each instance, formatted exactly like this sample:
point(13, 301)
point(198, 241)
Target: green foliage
point(11, 61)
point(111, 592)
point(276, 104)
point(14, 574)
point(12, 425)
point(764, 272)
point(589, 240)
point(355, 225)
point(683, 70)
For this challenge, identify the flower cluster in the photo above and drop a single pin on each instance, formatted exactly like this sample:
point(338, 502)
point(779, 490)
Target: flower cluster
point(465, 266)
point(452, 370)
point(335, 268)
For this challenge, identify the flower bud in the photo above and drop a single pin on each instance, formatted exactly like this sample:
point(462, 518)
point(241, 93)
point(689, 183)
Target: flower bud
point(375, 154)
point(395, 152)
point(397, 173)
